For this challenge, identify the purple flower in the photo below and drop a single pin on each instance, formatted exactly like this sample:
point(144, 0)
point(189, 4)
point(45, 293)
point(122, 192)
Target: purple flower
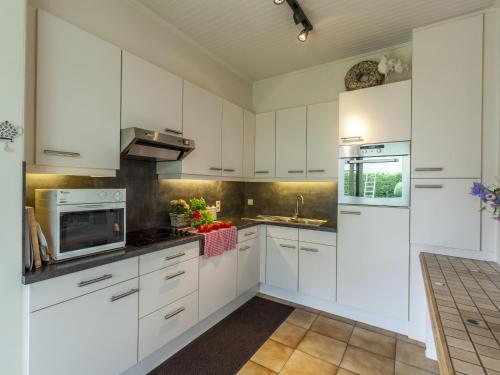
point(477, 189)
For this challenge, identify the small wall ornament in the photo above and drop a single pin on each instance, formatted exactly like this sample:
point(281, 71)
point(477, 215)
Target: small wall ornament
point(363, 75)
point(388, 66)
point(9, 132)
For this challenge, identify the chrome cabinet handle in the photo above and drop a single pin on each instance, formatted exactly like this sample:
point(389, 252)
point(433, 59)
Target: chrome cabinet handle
point(287, 246)
point(90, 205)
point(392, 160)
point(429, 169)
point(428, 186)
point(316, 170)
point(309, 249)
point(215, 169)
point(174, 313)
point(229, 170)
point(62, 153)
point(174, 275)
point(245, 248)
point(352, 139)
point(249, 234)
point(261, 171)
point(296, 171)
point(123, 295)
point(96, 280)
point(168, 130)
point(174, 256)
point(350, 212)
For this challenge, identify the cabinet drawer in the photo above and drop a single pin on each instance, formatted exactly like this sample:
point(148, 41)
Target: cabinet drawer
point(315, 236)
point(159, 288)
point(168, 257)
point(59, 289)
point(248, 233)
point(162, 326)
point(283, 232)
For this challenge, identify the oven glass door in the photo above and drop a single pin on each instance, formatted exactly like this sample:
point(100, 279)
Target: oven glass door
point(91, 228)
point(375, 180)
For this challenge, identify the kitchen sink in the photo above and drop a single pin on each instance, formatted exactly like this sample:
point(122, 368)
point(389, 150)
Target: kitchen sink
point(291, 220)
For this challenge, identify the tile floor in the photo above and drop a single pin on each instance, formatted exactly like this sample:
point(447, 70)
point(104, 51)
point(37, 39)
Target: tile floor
point(316, 343)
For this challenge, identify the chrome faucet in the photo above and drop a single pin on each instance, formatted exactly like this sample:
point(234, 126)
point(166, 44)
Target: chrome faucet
point(301, 199)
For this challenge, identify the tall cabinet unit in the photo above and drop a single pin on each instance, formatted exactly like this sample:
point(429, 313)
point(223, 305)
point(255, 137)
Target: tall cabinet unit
point(291, 132)
point(446, 133)
point(232, 140)
point(265, 145)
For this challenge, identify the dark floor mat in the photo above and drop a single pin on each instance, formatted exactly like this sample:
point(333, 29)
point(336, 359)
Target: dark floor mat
point(228, 345)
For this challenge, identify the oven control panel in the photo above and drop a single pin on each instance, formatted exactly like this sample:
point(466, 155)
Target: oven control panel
point(81, 196)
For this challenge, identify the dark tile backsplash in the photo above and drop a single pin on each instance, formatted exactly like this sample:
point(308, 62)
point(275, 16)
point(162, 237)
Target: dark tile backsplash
point(148, 198)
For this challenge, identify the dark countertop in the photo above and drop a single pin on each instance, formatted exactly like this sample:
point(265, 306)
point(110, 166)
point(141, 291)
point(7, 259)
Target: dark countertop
point(49, 271)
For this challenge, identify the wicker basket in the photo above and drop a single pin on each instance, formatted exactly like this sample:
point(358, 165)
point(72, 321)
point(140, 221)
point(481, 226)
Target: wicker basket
point(177, 220)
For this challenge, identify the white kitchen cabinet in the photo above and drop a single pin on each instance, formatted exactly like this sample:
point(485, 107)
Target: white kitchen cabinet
point(248, 264)
point(376, 114)
point(373, 259)
point(217, 282)
point(202, 122)
point(91, 334)
point(282, 263)
point(291, 132)
point(265, 144)
point(444, 214)
point(151, 96)
point(447, 99)
point(248, 144)
point(317, 270)
point(322, 139)
point(77, 97)
point(232, 140)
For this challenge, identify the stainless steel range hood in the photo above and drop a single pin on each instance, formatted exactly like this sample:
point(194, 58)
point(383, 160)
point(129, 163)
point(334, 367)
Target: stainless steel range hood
point(144, 144)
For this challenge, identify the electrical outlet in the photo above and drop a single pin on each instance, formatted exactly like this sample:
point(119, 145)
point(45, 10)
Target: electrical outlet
point(250, 202)
point(217, 206)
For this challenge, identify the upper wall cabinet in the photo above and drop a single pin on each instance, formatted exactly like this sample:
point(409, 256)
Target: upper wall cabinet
point(232, 140)
point(322, 135)
point(248, 144)
point(151, 96)
point(77, 98)
point(447, 99)
point(265, 144)
point(291, 131)
point(377, 114)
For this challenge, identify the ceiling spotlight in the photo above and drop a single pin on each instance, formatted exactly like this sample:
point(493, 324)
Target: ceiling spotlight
point(302, 36)
point(279, 2)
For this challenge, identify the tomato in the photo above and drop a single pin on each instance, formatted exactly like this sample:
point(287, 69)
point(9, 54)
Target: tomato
point(210, 227)
point(229, 224)
point(202, 229)
point(217, 226)
point(224, 224)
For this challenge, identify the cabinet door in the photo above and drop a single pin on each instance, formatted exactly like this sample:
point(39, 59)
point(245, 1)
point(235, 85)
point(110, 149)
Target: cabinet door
point(217, 282)
point(91, 334)
point(232, 140)
point(203, 123)
point(248, 144)
point(322, 136)
point(317, 270)
point(282, 265)
point(248, 265)
point(447, 99)
point(78, 97)
point(444, 214)
point(265, 144)
point(151, 96)
point(377, 114)
point(373, 259)
point(291, 142)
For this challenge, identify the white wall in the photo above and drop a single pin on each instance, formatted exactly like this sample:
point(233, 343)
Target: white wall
point(12, 31)
point(321, 83)
point(134, 28)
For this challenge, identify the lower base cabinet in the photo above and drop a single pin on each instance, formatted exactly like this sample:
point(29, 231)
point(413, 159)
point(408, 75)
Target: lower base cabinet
point(318, 267)
point(92, 334)
point(282, 263)
point(162, 326)
point(248, 265)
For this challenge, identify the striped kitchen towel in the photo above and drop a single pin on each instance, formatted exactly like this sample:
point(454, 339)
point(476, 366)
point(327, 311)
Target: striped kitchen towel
point(219, 241)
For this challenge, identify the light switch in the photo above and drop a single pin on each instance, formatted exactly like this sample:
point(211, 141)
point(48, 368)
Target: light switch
point(250, 202)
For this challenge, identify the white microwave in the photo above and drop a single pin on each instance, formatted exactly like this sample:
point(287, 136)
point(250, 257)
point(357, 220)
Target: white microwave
point(81, 222)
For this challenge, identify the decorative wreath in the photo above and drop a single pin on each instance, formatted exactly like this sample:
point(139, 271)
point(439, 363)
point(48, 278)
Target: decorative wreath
point(362, 75)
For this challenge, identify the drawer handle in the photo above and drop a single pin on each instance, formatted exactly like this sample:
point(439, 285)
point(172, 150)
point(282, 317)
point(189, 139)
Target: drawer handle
point(316, 171)
point(287, 246)
point(178, 255)
point(429, 169)
point(309, 249)
point(352, 139)
point(123, 295)
point(350, 212)
point(229, 170)
point(215, 169)
point(428, 186)
point(261, 171)
point(168, 130)
point(245, 248)
point(249, 234)
point(296, 171)
point(174, 313)
point(96, 280)
point(67, 154)
point(174, 275)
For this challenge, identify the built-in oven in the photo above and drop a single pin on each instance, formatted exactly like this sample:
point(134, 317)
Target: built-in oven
point(375, 174)
point(81, 222)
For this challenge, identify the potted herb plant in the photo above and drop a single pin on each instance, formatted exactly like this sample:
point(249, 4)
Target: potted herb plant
point(178, 208)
